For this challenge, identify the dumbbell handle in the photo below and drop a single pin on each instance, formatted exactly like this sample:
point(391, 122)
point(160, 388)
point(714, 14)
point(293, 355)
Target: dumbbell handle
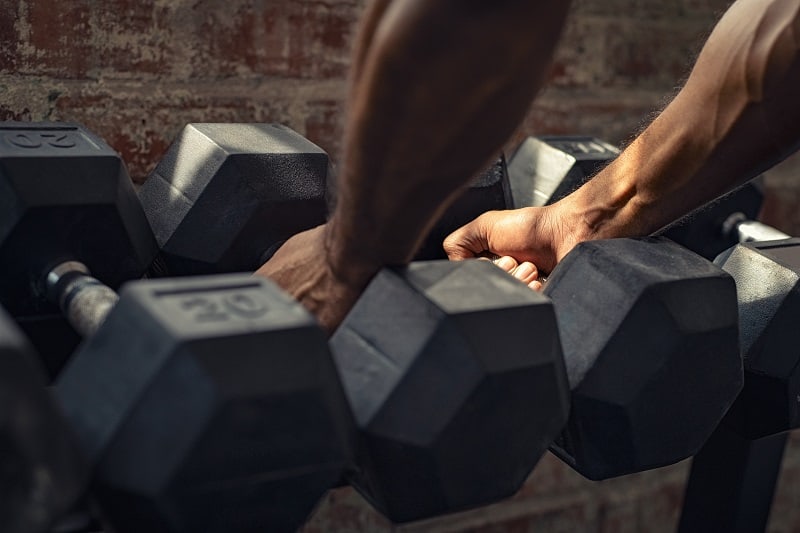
point(84, 300)
point(745, 230)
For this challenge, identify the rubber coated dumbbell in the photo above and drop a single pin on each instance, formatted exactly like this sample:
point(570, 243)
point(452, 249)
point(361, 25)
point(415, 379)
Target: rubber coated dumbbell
point(281, 184)
point(65, 194)
point(453, 371)
point(202, 404)
point(733, 478)
point(650, 338)
point(767, 274)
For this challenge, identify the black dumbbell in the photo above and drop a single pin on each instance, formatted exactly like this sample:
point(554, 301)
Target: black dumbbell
point(648, 328)
point(203, 404)
point(733, 478)
point(64, 194)
point(277, 185)
point(453, 371)
point(455, 377)
point(206, 404)
point(545, 169)
point(650, 339)
point(766, 267)
point(281, 184)
point(41, 471)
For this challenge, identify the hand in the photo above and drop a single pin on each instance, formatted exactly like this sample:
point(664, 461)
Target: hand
point(301, 268)
point(532, 234)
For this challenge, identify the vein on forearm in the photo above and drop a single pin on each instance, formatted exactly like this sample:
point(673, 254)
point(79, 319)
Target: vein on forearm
point(737, 115)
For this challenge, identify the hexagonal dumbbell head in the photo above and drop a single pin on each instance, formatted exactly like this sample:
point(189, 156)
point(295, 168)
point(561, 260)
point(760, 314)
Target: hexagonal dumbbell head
point(225, 196)
point(64, 195)
point(455, 377)
point(767, 278)
point(545, 169)
point(208, 404)
point(650, 338)
point(41, 472)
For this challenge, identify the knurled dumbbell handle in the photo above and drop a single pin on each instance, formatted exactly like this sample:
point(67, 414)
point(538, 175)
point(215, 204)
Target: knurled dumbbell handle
point(752, 230)
point(84, 300)
point(745, 230)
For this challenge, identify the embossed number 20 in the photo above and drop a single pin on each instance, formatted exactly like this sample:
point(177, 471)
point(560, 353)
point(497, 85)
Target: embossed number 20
point(221, 308)
point(38, 139)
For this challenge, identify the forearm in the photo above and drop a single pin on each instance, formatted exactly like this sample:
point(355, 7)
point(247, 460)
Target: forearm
point(737, 115)
point(438, 87)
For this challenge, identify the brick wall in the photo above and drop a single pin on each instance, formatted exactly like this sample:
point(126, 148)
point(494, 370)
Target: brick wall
point(136, 71)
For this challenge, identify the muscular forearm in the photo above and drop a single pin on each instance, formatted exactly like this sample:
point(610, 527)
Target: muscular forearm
point(438, 86)
point(737, 115)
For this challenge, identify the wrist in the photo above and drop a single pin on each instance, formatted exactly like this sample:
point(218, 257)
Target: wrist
point(568, 228)
point(608, 206)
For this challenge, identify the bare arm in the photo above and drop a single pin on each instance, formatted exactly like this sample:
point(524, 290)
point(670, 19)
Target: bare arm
point(438, 86)
point(737, 115)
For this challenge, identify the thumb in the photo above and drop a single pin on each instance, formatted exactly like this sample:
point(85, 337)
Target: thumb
point(468, 241)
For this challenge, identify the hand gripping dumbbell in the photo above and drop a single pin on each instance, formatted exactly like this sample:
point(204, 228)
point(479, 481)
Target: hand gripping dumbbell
point(204, 404)
point(648, 328)
point(41, 471)
point(63, 196)
point(453, 371)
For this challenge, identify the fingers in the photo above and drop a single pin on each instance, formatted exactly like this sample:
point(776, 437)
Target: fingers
point(526, 271)
point(536, 285)
point(507, 263)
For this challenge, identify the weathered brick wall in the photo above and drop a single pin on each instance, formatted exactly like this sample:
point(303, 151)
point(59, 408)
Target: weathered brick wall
point(136, 71)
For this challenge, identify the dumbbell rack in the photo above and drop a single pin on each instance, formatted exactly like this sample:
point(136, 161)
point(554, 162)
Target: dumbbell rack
point(732, 483)
point(733, 479)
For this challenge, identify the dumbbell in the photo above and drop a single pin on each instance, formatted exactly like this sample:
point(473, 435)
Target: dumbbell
point(544, 169)
point(281, 184)
point(648, 329)
point(650, 339)
point(453, 370)
point(767, 274)
point(747, 448)
point(46, 217)
point(41, 471)
point(204, 404)
point(211, 167)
